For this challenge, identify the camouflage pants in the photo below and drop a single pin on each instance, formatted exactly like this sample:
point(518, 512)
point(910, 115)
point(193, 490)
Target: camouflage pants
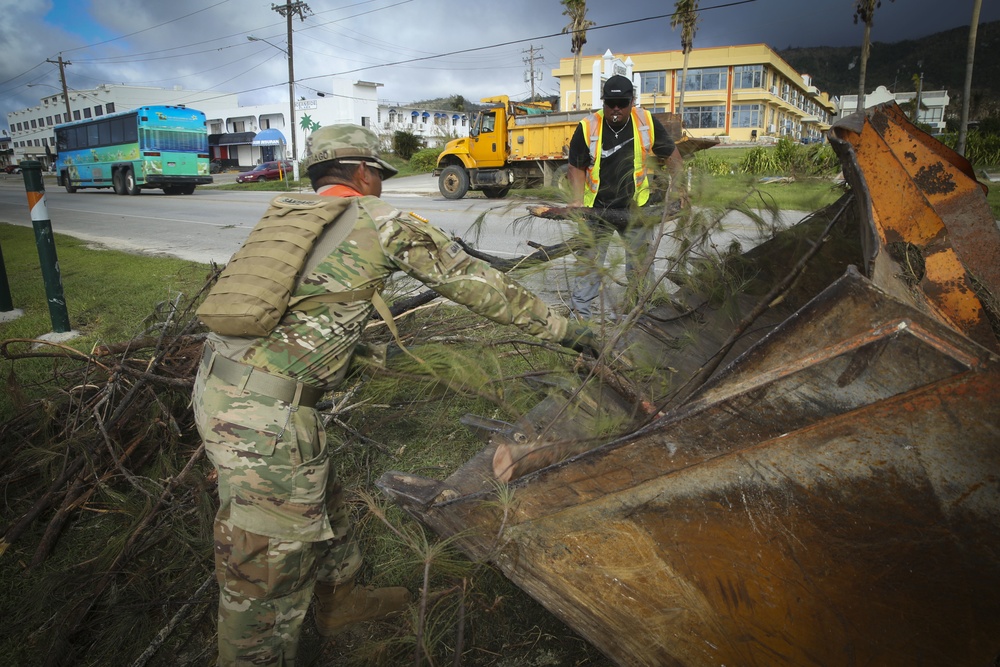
point(282, 524)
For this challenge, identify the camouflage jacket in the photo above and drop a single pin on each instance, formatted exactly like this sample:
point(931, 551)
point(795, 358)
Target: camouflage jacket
point(316, 346)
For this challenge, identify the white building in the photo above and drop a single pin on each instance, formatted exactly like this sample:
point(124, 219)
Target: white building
point(231, 127)
point(933, 104)
point(435, 127)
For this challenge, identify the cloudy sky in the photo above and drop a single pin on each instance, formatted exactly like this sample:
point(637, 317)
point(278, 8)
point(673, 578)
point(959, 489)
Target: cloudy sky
point(418, 49)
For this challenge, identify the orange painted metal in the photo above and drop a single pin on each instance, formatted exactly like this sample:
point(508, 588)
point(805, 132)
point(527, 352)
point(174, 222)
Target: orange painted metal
point(923, 194)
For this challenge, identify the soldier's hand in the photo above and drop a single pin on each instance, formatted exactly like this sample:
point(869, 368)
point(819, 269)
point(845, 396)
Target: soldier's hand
point(581, 338)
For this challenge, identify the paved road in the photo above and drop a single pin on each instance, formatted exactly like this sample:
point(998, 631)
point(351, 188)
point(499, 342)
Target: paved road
point(211, 224)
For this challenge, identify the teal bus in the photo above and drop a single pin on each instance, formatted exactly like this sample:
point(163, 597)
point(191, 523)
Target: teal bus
point(161, 147)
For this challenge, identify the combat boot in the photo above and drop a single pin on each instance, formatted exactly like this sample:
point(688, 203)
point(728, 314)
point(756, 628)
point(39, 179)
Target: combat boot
point(339, 607)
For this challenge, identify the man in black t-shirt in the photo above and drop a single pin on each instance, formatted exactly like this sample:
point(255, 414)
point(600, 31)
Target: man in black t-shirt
point(608, 169)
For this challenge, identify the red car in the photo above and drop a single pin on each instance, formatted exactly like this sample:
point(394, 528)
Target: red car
point(12, 169)
point(268, 171)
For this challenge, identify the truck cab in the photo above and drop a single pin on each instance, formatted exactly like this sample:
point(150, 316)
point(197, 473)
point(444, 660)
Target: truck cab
point(477, 162)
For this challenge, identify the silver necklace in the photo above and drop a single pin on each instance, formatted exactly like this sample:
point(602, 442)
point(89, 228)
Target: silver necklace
point(623, 128)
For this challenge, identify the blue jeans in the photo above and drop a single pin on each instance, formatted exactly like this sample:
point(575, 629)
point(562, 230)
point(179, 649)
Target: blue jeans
point(587, 284)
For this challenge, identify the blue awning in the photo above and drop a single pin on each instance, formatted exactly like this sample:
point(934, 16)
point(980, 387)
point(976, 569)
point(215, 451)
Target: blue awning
point(269, 137)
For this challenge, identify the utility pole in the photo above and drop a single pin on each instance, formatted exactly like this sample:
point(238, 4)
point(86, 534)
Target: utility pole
point(289, 10)
point(62, 77)
point(530, 76)
point(920, 91)
point(963, 125)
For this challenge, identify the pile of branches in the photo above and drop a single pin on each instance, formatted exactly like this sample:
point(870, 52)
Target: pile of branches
point(112, 443)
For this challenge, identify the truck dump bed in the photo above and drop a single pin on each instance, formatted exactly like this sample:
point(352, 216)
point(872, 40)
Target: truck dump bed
point(831, 494)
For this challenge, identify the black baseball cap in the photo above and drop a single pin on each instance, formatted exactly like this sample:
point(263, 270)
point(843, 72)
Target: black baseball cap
point(617, 87)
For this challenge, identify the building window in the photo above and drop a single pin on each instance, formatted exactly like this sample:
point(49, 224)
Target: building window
point(34, 124)
point(709, 78)
point(98, 111)
point(366, 121)
point(110, 107)
point(86, 112)
point(705, 117)
point(18, 127)
point(653, 82)
point(76, 114)
point(748, 76)
point(48, 121)
point(746, 115)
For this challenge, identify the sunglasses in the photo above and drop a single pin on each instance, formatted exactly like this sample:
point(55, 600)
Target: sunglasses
point(622, 103)
point(370, 165)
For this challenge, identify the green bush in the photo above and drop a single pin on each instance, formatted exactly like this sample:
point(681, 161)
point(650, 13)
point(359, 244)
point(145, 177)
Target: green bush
point(711, 164)
point(760, 161)
point(981, 149)
point(405, 144)
point(425, 160)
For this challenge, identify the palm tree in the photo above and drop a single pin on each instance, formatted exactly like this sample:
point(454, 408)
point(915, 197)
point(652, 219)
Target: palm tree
point(576, 10)
point(685, 16)
point(865, 11)
point(963, 127)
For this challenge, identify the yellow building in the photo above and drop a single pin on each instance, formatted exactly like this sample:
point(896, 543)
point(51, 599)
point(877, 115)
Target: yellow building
point(737, 93)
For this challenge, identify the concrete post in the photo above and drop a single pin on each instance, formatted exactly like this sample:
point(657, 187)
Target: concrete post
point(33, 184)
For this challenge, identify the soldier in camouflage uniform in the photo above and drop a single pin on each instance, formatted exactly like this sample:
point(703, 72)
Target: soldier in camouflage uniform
point(282, 533)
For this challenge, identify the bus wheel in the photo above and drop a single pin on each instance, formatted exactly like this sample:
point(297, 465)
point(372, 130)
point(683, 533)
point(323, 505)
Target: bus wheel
point(453, 182)
point(70, 188)
point(186, 189)
point(171, 190)
point(118, 182)
point(131, 187)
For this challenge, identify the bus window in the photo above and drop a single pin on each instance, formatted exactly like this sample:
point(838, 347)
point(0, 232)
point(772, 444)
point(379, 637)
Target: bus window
point(117, 130)
point(62, 140)
point(93, 140)
point(131, 130)
point(104, 133)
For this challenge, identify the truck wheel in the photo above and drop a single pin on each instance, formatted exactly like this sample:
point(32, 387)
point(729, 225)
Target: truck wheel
point(496, 193)
point(131, 187)
point(453, 182)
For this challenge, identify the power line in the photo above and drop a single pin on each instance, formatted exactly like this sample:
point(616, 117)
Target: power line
point(409, 61)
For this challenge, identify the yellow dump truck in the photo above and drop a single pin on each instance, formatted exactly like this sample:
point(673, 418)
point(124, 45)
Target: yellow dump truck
point(524, 143)
point(508, 142)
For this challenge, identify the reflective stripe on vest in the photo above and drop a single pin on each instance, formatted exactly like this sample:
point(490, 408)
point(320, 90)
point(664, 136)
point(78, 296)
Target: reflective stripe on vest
point(593, 129)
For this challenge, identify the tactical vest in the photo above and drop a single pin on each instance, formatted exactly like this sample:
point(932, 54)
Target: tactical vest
point(593, 128)
point(255, 289)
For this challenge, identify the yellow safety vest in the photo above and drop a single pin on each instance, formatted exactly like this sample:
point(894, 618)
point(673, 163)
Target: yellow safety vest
point(642, 125)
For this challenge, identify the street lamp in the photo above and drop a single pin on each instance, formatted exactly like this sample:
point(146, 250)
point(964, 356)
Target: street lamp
point(291, 102)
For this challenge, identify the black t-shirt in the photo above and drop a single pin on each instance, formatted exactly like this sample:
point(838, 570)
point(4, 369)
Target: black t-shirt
point(617, 181)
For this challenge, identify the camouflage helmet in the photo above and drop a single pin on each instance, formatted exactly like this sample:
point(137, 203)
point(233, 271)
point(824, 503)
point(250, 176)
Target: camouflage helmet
point(335, 142)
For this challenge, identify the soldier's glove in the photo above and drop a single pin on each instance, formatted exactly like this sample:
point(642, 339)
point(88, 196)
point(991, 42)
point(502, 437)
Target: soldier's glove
point(581, 338)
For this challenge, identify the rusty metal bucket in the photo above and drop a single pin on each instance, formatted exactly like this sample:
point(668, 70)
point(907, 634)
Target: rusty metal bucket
point(831, 496)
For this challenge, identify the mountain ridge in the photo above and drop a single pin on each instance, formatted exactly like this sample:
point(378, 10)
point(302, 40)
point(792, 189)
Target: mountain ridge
point(940, 57)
